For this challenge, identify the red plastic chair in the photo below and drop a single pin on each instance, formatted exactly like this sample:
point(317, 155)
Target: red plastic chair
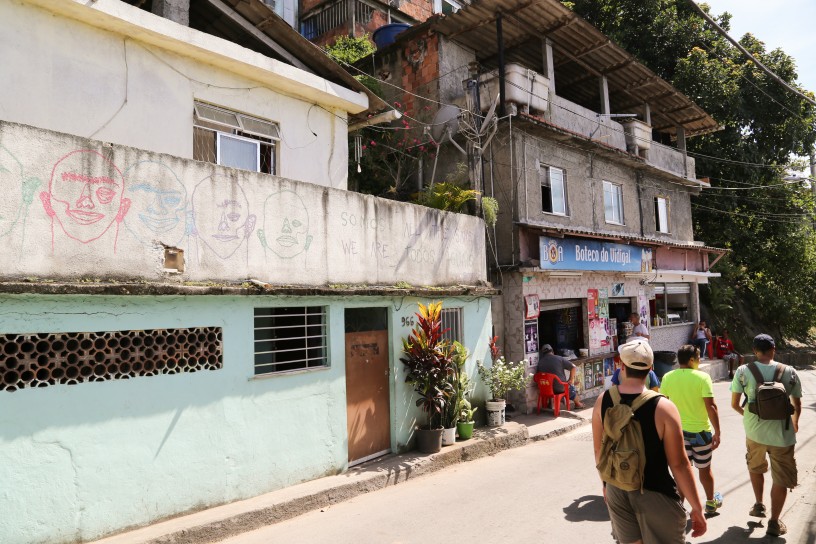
point(545, 392)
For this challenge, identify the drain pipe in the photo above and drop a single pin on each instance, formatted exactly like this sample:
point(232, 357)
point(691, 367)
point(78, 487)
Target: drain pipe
point(500, 42)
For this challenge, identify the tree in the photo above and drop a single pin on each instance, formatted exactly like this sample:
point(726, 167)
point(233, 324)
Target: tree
point(765, 221)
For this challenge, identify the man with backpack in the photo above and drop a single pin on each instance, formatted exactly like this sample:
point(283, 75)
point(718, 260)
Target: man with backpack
point(638, 438)
point(773, 395)
point(692, 392)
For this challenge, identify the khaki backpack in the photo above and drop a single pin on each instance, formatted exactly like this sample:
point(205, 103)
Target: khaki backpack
point(623, 454)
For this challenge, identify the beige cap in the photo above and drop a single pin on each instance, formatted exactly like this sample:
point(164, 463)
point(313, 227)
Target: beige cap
point(637, 354)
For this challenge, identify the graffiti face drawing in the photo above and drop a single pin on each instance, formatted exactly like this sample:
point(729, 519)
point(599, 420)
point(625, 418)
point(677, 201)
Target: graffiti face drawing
point(286, 225)
point(11, 188)
point(85, 196)
point(158, 202)
point(221, 215)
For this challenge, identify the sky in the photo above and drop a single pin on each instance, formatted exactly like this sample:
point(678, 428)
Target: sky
point(779, 23)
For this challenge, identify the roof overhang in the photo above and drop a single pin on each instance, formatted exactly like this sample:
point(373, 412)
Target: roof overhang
point(581, 52)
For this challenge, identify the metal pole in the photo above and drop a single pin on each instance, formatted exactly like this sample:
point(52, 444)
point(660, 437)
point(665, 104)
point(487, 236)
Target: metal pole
point(500, 42)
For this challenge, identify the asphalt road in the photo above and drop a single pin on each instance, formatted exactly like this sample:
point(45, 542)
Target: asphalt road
point(548, 491)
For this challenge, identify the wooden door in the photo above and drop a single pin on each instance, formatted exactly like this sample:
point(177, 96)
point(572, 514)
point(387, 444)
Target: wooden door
point(367, 395)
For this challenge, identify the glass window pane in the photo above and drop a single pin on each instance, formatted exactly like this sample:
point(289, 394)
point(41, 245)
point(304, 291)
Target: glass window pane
point(237, 153)
point(663, 216)
point(216, 115)
point(559, 201)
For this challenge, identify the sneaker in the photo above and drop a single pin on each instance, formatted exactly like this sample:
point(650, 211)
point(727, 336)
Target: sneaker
point(712, 505)
point(758, 511)
point(776, 528)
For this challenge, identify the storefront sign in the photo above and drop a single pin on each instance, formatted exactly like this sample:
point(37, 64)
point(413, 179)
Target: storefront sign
point(578, 254)
point(531, 307)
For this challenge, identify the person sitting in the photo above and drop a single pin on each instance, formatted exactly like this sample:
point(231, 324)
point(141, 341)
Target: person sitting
point(652, 381)
point(700, 337)
point(726, 352)
point(551, 363)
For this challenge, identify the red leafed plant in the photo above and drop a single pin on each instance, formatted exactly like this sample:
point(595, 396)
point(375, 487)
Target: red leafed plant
point(429, 363)
point(494, 349)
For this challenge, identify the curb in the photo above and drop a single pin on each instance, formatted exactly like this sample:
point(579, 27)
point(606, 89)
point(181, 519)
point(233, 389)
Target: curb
point(221, 522)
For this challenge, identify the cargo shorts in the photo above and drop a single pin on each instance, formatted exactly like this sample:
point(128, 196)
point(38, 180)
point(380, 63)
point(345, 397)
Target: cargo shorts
point(650, 517)
point(783, 463)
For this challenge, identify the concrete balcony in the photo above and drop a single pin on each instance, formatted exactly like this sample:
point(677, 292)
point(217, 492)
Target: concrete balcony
point(604, 131)
point(78, 210)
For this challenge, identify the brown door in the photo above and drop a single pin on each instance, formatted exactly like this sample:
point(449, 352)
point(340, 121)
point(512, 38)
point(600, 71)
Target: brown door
point(367, 394)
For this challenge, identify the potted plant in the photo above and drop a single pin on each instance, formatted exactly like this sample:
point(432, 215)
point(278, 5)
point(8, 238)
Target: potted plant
point(502, 376)
point(456, 388)
point(429, 365)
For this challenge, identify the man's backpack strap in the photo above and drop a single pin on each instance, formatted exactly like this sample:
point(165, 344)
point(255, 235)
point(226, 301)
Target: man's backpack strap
point(757, 374)
point(780, 371)
point(643, 398)
point(614, 394)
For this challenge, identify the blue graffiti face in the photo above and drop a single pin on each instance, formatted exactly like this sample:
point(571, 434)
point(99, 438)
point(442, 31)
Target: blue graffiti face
point(158, 204)
point(11, 190)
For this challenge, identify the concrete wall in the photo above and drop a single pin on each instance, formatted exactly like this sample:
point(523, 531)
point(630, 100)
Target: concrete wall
point(80, 461)
point(587, 123)
point(83, 79)
point(681, 227)
point(78, 208)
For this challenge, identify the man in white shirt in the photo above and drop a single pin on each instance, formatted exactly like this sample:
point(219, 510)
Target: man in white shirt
point(640, 330)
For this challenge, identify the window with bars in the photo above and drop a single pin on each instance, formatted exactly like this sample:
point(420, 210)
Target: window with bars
point(613, 202)
point(452, 324)
point(290, 338)
point(553, 190)
point(233, 139)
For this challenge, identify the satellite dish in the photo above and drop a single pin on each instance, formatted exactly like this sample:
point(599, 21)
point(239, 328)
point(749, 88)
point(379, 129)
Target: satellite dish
point(445, 122)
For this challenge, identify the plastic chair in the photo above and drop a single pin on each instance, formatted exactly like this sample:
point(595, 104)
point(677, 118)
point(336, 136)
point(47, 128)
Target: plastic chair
point(545, 391)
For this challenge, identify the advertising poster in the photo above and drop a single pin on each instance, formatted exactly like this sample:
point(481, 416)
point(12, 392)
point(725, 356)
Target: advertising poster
point(609, 366)
point(531, 307)
point(603, 303)
point(618, 290)
point(532, 362)
point(592, 304)
point(599, 377)
point(589, 379)
point(531, 337)
point(643, 305)
point(599, 340)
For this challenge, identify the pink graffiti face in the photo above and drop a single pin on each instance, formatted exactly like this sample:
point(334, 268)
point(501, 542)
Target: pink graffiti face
point(86, 195)
point(222, 218)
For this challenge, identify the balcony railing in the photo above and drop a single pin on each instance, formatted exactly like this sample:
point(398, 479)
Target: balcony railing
point(345, 13)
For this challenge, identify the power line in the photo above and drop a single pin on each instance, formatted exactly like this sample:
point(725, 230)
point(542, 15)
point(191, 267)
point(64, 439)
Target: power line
point(745, 52)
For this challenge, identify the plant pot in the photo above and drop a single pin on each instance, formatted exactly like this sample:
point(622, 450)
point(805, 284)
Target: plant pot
point(449, 436)
point(465, 429)
point(495, 412)
point(429, 441)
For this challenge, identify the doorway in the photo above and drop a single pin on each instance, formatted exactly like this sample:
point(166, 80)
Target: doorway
point(368, 405)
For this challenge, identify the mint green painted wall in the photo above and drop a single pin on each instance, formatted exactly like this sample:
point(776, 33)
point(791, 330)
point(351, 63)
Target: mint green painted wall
point(81, 461)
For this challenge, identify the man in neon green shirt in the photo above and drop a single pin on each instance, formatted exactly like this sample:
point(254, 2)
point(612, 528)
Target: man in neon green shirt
point(769, 438)
point(693, 393)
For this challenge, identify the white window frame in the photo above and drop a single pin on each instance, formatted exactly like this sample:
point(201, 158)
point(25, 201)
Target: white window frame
point(662, 223)
point(204, 112)
point(546, 173)
point(437, 5)
point(613, 194)
point(269, 368)
point(453, 320)
point(257, 143)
